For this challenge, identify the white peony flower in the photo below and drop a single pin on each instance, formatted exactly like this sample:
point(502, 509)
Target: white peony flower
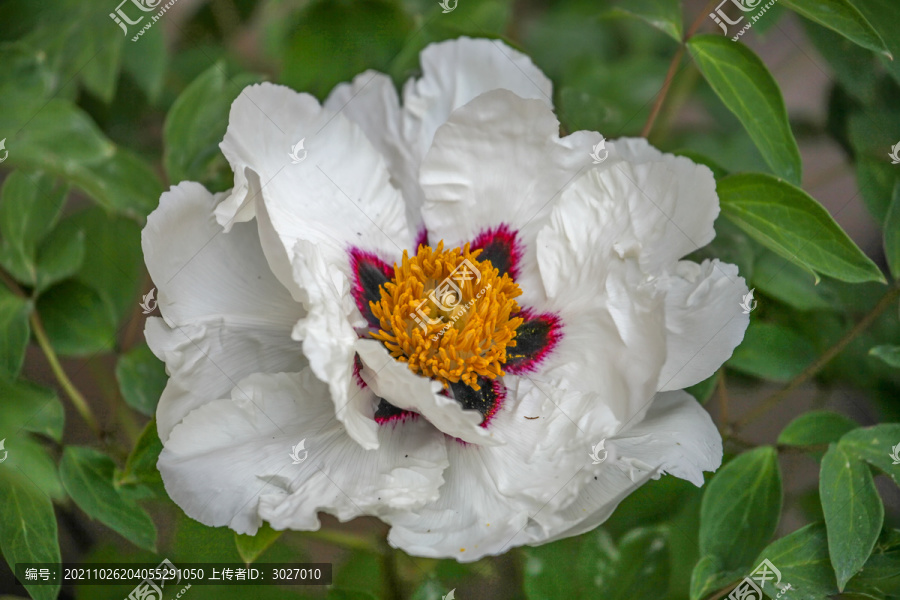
point(450, 303)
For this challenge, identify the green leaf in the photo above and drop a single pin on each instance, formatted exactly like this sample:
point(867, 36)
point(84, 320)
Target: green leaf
point(28, 530)
point(196, 124)
point(321, 54)
point(14, 313)
point(853, 511)
point(884, 15)
point(30, 407)
point(708, 576)
point(140, 467)
point(762, 205)
point(100, 73)
point(703, 391)
point(146, 62)
point(30, 206)
point(250, 547)
point(875, 446)
point(892, 233)
point(786, 282)
point(746, 87)
point(876, 176)
point(888, 353)
point(802, 559)
point(88, 478)
point(113, 261)
point(122, 183)
point(665, 15)
point(816, 427)
point(881, 573)
point(844, 18)
point(142, 379)
point(741, 507)
point(772, 352)
point(59, 257)
point(30, 457)
point(592, 566)
point(77, 319)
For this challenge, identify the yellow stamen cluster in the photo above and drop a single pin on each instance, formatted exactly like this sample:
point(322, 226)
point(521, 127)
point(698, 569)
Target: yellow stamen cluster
point(448, 315)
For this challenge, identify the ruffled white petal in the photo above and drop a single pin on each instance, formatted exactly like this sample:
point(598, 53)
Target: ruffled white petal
point(456, 71)
point(226, 315)
point(704, 320)
point(676, 437)
point(613, 336)
point(371, 102)
point(339, 194)
point(392, 380)
point(328, 337)
point(228, 463)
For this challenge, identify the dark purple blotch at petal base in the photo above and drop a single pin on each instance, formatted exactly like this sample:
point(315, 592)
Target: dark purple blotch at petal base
point(536, 337)
point(369, 274)
point(487, 400)
point(501, 246)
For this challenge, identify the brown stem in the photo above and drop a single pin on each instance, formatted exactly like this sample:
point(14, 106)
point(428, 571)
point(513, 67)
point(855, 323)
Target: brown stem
point(673, 70)
point(889, 298)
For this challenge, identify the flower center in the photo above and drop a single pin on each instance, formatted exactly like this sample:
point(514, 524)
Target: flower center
point(448, 315)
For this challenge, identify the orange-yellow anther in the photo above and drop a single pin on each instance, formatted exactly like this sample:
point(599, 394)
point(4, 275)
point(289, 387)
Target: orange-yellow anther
point(448, 315)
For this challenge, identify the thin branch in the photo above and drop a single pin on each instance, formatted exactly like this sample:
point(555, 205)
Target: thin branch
point(673, 70)
point(775, 399)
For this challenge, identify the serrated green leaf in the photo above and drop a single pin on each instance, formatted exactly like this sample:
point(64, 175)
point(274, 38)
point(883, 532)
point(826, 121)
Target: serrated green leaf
point(772, 352)
point(844, 18)
point(665, 15)
point(196, 124)
point(746, 87)
point(28, 531)
point(802, 559)
point(250, 547)
point(853, 511)
point(888, 353)
point(875, 445)
point(142, 379)
point(816, 427)
point(762, 205)
point(741, 508)
point(88, 478)
point(30, 407)
point(79, 322)
point(892, 233)
point(14, 313)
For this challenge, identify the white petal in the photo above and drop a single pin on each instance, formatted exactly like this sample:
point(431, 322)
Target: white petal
point(676, 436)
point(492, 493)
point(392, 380)
point(497, 159)
point(226, 315)
point(229, 462)
point(704, 321)
point(338, 195)
point(328, 337)
point(613, 332)
point(455, 72)
point(371, 102)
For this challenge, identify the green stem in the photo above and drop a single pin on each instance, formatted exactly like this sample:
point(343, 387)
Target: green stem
point(78, 401)
point(775, 399)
